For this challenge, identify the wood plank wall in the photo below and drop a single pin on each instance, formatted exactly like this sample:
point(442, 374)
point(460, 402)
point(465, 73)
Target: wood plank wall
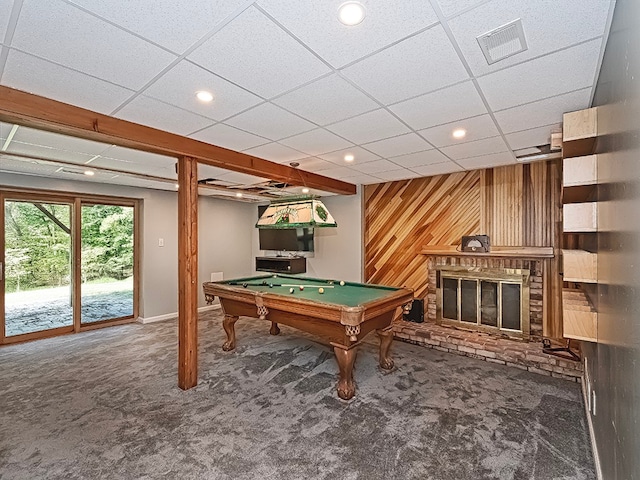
point(516, 205)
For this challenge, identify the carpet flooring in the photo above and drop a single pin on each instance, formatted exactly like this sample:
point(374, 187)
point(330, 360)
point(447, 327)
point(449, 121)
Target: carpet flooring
point(105, 404)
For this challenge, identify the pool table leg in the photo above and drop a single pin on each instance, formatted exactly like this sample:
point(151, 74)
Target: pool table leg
point(386, 337)
point(346, 359)
point(275, 330)
point(229, 327)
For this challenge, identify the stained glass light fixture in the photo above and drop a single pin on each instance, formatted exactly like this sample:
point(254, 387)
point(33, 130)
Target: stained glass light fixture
point(302, 213)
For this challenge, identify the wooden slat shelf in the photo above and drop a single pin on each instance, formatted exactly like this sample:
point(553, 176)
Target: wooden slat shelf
point(579, 132)
point(580, 266)
point(579, 317)
point(580, 217)
point(496, 251)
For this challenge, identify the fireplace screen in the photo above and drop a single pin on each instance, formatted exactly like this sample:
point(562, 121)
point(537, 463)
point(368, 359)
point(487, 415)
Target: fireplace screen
point(490, 300)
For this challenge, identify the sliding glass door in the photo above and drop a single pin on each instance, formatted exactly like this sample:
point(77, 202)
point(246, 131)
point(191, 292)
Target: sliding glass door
point(68, 264)
point(107, 262)
point(38, 293)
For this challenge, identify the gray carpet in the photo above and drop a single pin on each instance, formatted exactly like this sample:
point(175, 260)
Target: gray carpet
point(105, 404)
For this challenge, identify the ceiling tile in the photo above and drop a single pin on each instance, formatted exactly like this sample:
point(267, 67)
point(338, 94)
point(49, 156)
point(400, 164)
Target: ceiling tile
point(207, 171)
point(149, 111)
point(229, 137)
point(174, 26)
point(394, 175)
point(400, 145)
point(487, 161)
point(242, 178)
point(5, 129)
point(270, 121)
point(477, 128)
point(336, 172)
point(123, 165)
point(30, 167)
point(375, 167)
point(314, 164)
point(257, 54)
point(59, 142)
point(56, 31)
point(417, 65)
point(31, 74)
point(475, 149)
point(532, 80)
point(443, 106)
point(437, 169)
point(369, 127)
point(317, 25)
point(416, 159)
point(48, 152)
point(5, 7)
point(543, 112)
point(548, 25)
point(179, 86)
point(316, 142)
point(360, 155)
point(327, 100)
point(360, 179)
point(136, 161)
point(532, 137)
point(276, 153)
point(452, 7)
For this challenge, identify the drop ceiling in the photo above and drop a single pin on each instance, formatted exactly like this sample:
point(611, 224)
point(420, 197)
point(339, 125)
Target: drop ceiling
point(293, 84)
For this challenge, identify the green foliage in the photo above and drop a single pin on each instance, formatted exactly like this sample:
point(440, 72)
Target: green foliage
point(38, 244)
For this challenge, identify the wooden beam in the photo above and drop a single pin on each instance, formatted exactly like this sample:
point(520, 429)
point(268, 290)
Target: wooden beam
point(187, 272)
point(39, 112)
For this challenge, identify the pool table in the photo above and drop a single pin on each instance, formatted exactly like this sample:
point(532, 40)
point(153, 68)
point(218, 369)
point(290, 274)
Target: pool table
point(342, 313)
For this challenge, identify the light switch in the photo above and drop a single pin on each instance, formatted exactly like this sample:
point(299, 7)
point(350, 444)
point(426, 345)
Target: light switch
point(161, 242)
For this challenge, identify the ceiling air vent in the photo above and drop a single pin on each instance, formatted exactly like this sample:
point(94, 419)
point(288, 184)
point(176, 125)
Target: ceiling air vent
point(503, 42)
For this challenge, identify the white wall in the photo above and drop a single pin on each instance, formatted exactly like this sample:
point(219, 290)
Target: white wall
point(224, 231)
point(338, 251)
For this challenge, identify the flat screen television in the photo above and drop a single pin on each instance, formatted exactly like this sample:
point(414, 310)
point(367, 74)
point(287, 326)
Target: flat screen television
point(290, 239)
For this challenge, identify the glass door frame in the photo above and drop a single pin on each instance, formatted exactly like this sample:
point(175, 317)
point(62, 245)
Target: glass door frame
point(75, 201)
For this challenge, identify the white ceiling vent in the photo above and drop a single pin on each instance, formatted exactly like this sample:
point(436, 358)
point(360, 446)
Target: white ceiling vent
point(502, 42)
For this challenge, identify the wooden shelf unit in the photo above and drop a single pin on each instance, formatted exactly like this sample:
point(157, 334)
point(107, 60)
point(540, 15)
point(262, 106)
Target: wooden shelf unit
point(580, 219)
point(281, 264)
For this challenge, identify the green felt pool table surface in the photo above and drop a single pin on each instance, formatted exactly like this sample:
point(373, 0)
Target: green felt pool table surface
point(351, 294)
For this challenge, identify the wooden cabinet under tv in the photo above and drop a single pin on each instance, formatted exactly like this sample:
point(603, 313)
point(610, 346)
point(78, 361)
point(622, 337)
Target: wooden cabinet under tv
point(281, 264)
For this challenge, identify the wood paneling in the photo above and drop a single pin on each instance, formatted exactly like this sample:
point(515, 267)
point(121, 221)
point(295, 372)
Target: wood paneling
point(517, 205)
point(402, 217)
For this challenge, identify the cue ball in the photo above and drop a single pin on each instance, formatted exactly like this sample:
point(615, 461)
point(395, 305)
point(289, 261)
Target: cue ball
point(271, 285)
point(301, 287)
point(291, 290)
point(342, 283)
point(321, 290)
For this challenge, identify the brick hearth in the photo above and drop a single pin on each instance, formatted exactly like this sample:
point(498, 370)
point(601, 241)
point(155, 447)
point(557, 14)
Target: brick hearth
point(524, 355)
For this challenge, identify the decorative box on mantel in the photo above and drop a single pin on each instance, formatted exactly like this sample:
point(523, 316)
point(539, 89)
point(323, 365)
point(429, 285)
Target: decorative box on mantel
point(498, 292)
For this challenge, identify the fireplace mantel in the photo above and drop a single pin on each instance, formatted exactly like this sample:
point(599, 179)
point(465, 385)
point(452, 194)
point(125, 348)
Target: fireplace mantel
point(496, 251)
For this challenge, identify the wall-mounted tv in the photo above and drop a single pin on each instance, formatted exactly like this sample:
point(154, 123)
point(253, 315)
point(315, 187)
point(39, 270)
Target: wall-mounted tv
point(290, 239)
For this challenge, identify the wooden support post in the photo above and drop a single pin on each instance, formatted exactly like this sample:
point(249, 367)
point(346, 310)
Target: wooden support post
point(187, 272)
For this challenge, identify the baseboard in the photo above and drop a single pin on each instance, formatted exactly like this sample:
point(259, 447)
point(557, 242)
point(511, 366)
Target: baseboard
point(169, 316)
point(592, 436)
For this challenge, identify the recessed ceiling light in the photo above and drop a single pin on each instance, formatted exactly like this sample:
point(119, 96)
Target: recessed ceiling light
point(239, 195)
point(89, 173)
point(349, 157)
point(459, 133)
point(351, 13)
point(305, 190)
point(204, 96)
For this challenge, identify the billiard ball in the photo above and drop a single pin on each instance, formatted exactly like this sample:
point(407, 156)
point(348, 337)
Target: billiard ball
point(271, 285)
point(291, 290)
point(321, 290)
point(301, 287)
point(244, 285)
point(342, 283)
